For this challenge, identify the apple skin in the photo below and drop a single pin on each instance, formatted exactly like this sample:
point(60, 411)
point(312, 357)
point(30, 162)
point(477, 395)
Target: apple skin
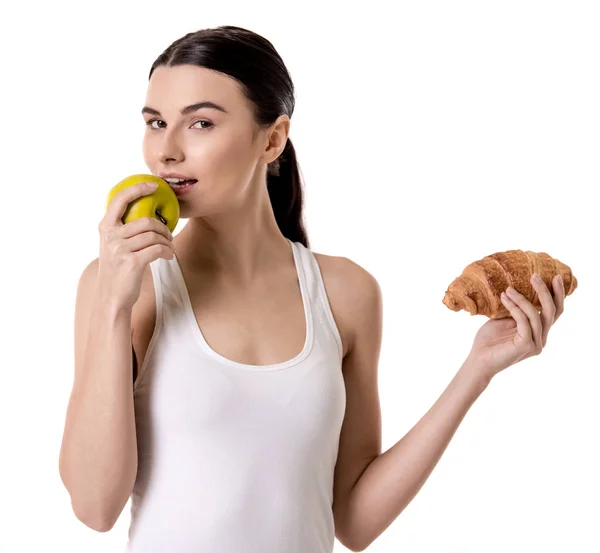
point(162, 204)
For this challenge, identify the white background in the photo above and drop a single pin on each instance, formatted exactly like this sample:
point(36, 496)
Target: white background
point(429, 134)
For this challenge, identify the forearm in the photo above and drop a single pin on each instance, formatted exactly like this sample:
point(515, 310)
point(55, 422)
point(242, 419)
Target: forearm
point(99, 453)
point(393, 479)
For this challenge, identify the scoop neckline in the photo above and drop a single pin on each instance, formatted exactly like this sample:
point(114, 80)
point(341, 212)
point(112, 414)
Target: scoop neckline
point(197, 331)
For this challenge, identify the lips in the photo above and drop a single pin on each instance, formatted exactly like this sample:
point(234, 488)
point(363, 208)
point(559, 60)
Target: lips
point(184, 183)
point(183, 188)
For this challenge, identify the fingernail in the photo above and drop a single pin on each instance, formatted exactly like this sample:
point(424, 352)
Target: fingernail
point(537, 277)
point(511, 290)
point(560, 281)
point(151, 184)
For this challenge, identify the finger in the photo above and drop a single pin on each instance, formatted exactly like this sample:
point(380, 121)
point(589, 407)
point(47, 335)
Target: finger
point(530, 311)
point(145, 240)
point(153, 252)
point(547, 303)
point(558, 286)
point(523, 323)
point(118, 205)
point(144, 224)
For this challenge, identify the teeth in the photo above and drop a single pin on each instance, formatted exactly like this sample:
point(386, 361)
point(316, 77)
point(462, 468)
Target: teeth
point(174, 181)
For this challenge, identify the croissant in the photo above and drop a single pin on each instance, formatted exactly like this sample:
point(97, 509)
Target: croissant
point(479, 287)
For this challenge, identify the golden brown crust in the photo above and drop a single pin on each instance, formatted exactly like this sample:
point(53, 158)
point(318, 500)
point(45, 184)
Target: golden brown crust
point(479, 287)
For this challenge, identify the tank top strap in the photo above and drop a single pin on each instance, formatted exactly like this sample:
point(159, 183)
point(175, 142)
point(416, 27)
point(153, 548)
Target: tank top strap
point(305, 266)
point(317, 292)
point(172, 291)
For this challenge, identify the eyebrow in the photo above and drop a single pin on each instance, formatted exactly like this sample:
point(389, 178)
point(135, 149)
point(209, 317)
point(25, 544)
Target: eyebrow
point(188, 109)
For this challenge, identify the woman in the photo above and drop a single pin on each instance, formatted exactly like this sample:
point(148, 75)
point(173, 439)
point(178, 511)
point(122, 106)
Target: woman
point(226, 379)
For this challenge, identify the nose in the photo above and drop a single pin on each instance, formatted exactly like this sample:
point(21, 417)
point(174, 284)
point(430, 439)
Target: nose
point(169, 149)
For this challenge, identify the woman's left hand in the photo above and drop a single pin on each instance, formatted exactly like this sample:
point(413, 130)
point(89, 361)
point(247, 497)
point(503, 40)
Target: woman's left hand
point(500, 343)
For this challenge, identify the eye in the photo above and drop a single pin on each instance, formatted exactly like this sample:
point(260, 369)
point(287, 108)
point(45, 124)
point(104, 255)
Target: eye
point(149, 123)
point(152, 121)
point(209, 124)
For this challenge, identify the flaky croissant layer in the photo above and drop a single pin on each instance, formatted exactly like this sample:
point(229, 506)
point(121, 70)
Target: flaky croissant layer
point(479, 287)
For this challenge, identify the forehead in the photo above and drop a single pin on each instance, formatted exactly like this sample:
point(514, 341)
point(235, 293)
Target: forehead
point(182, 85)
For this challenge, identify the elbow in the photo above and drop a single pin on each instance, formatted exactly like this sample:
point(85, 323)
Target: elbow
point(90, 512)
point(97, 520)
point(355, 546)
point(98, 512)
point(361, 546)
point(352, 542)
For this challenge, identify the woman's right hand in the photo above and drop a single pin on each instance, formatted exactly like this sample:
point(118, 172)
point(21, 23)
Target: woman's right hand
point(126, 249)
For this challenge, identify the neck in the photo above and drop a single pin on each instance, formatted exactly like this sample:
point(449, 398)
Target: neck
point(239, 244)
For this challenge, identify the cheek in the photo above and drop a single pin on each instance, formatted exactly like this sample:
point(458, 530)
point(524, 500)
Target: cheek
point(147, 150)
point(220, 155)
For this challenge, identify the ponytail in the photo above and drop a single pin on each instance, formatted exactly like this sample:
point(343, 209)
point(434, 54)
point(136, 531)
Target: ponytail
point(285, 192)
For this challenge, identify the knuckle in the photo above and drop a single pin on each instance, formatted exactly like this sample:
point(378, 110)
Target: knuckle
point(117, 248)
point(559, 312)
point(103, 227)
point(538, 350)
point(107, 235)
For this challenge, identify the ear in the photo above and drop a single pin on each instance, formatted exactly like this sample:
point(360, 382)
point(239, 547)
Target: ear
point(277, 136)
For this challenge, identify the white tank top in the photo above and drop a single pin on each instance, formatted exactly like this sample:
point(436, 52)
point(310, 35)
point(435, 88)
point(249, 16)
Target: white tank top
point(236, 458)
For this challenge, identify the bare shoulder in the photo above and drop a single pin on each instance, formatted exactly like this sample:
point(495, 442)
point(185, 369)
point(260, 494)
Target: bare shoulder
point(354, 294)
point(349, 271)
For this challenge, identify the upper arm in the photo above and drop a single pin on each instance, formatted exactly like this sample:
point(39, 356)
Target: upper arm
point(360, 438)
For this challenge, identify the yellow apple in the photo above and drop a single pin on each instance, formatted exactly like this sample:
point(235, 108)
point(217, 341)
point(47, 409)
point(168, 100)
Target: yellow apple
point(162, 204)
